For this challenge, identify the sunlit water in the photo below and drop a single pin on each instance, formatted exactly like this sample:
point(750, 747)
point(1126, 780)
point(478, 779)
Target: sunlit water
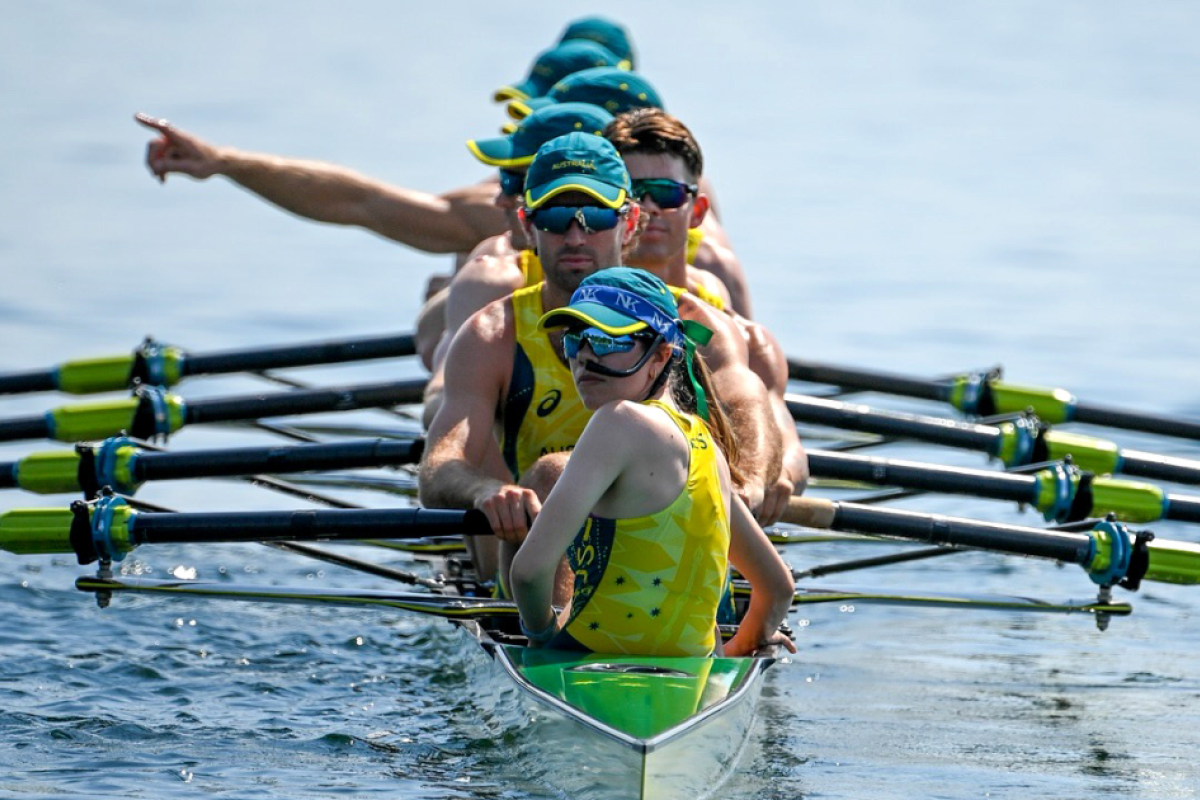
point(921, 188)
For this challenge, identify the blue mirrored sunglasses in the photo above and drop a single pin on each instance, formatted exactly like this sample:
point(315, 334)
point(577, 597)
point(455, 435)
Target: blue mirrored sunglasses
point(558, 219)
point(512, 183)
point(601, 343)
point(664, 192)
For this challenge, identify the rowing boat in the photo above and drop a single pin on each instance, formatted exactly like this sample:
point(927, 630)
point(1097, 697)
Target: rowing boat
point(590, 725)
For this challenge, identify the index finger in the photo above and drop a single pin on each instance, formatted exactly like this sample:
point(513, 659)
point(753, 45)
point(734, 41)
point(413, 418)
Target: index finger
point(155, 123)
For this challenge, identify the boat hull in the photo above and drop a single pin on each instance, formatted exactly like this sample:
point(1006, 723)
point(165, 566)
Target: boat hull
point(602, 726)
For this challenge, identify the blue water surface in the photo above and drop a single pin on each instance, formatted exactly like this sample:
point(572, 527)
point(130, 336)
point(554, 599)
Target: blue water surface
point(922, 188)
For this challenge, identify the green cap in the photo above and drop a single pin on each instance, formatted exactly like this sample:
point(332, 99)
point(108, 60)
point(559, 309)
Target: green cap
point(611, 34)
point(614, 90)
point(552, 65)
point(577, 162)
point(518, 149)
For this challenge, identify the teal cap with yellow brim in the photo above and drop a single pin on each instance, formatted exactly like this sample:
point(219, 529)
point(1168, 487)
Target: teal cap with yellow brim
point(577, 162)
point(605, 31)
point(619, 300)
point(559, 119)
point(552, 65)
point(614, 90)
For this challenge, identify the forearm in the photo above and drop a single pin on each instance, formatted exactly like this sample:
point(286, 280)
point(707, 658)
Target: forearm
point(532, 588)
point(759, 453)
point(329, 193)
point(456, 484)
point(795, 460)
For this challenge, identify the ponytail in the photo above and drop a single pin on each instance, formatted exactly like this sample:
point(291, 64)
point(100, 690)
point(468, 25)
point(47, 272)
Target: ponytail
point(685, 398)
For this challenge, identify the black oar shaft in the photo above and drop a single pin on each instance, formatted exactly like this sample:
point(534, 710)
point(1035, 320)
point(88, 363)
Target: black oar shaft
point(21, 428)
point(249, 460)
point(931, 477)
point(22, 382)
point(307, 525)
point(852, 416)
point(1160, 468)
point(849, 378)
point(1136, 421)
point(331, 352)
point(1073, 548)
point(1184, 509)
point(306, 401)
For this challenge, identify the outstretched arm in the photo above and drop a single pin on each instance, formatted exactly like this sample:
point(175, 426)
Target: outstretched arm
point(451, 222)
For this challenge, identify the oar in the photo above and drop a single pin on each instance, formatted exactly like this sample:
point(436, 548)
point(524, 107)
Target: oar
point(438, 605)
point(1016, 443)
point(110, 528)
point(124, 464)
point(1108, 551)
point(157, 364)
point(812, 595)
point(456, 607)
point(1062, 492)
point(152, 412)
point(984, 394)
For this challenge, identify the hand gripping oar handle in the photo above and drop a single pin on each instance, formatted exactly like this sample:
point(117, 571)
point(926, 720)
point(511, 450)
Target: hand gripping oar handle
point(1108, 552)
point(109, 528)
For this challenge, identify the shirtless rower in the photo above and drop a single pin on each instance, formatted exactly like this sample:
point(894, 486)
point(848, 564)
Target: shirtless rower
point(501, 373)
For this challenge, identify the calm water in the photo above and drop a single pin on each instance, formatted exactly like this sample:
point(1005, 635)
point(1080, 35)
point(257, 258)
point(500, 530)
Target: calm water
point(923, 189)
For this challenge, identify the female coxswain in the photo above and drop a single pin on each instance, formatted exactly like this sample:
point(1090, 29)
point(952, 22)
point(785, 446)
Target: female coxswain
point(645, 509)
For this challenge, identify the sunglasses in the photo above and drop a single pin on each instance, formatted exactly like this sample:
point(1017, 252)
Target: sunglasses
point(664, 192)
point(558, 219)
point(512, 183)
point(601, 343)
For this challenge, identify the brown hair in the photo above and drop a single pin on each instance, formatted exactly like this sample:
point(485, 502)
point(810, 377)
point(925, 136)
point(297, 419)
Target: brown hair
point(652, 130)
point(684, 395)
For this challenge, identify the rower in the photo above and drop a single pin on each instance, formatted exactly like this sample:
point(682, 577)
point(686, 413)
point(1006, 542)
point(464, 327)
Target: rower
point(665, 165)
point(622, 92)
point(451, 222)
point(501, 371)
point(500, 264)
point(499, 267)
point(644, 508)
point(552, 65)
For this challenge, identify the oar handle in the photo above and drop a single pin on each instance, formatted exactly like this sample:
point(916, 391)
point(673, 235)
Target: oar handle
point(810, 512)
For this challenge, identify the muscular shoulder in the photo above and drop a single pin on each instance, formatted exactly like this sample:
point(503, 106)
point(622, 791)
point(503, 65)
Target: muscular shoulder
point(482, 280)
point(499, 245)
point(700, 282)
point(727, 344)
point(767, 359)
